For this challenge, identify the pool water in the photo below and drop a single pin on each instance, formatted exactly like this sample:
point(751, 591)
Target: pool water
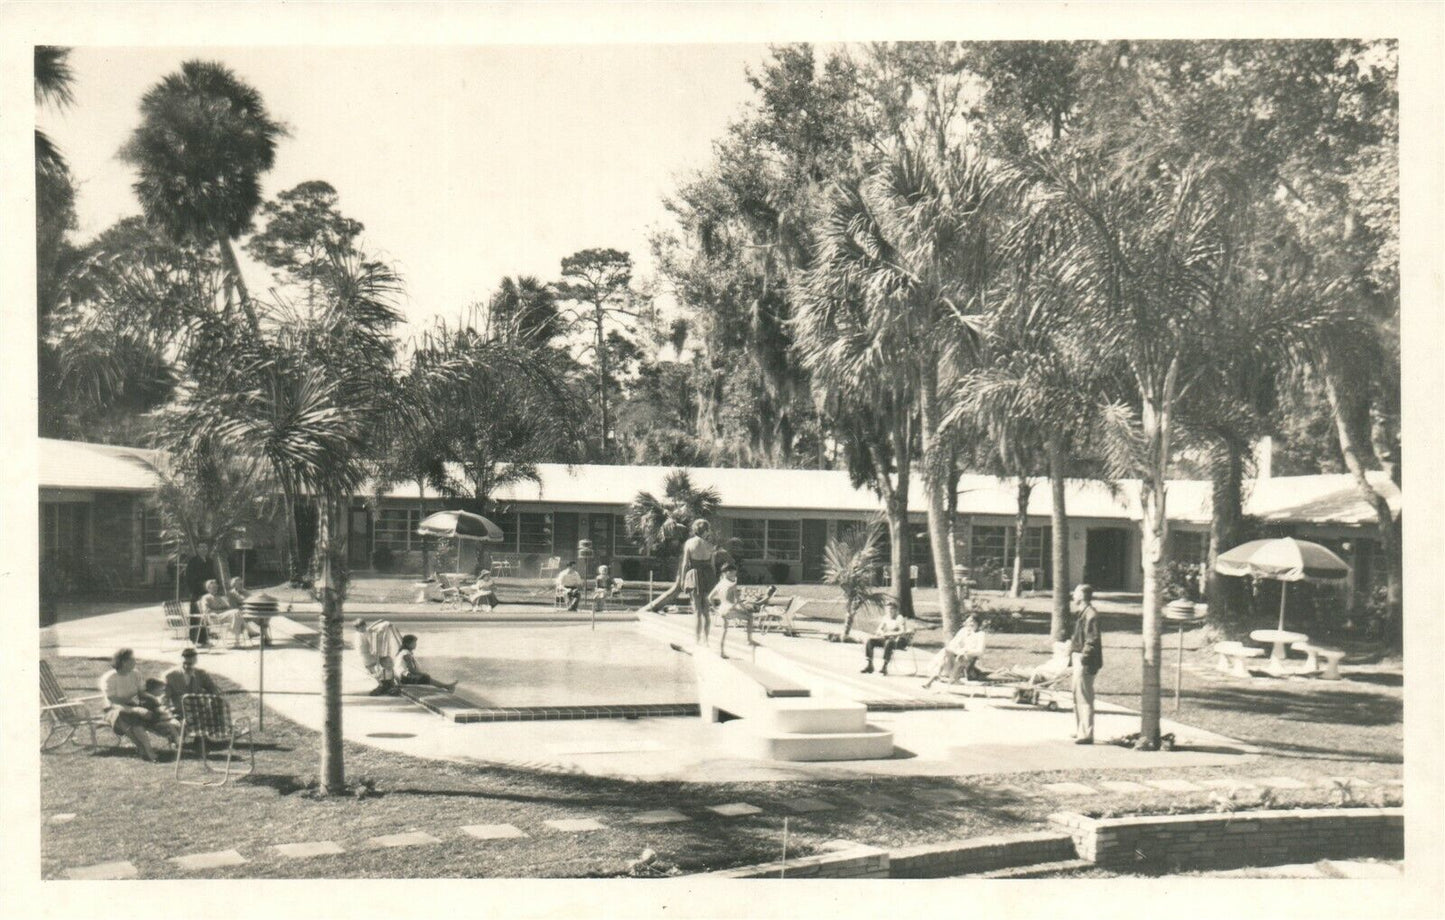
point(541, 664)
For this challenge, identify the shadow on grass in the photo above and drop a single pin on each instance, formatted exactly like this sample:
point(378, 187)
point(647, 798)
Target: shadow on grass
point(1333, 707)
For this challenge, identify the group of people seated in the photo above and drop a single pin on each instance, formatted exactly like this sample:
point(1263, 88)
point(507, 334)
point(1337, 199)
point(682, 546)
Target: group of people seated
point(223, 610)
point(137, 707)
point(570, 585)
point(390, 658)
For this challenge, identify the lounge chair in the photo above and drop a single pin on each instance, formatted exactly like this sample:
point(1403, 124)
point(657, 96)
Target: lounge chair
point(65, 714)
point(772, 616)
point(207, 717)
point(451, 594)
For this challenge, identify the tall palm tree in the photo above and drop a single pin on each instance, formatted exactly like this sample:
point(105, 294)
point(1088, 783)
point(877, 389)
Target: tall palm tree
point(524, 311)
point(662, 524)
point(204, 141)
point(913, 241)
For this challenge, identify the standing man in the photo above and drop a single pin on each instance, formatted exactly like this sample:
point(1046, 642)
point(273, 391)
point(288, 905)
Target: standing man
point(187, 679)
point(199, 570)
point(1087, 657)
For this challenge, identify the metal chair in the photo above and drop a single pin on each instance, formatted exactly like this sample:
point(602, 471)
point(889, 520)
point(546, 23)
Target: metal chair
point(176, 613)
point(553, 565)
point(207, 717)
point(65, 714)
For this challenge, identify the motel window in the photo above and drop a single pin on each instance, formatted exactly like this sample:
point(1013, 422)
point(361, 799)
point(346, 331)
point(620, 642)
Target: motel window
point(988, 544)
point(626, 545)
point(506, 522)
point(535, 533)
point(62, 528)
point(768, 539)
point(750, 536)
point(396, 529)
point(785, 540)
point(1038, 548)
point(153, 529)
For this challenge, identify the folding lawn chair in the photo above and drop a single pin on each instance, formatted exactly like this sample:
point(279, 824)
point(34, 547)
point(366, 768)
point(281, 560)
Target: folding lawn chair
point(176, 612)
point(65, 714)
point(207, 717)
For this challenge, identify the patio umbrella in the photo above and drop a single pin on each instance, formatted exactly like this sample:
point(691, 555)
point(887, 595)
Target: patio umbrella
point(461, 525)
point(1285, 560)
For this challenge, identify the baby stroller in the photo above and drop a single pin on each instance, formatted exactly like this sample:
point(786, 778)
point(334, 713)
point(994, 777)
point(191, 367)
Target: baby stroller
point(1044, 685)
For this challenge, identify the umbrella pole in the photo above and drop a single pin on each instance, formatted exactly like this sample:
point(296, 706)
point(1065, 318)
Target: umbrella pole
point(1283, 594)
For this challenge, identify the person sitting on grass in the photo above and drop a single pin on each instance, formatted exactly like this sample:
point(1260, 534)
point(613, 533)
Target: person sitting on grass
point(125, 710)
point(891, 633)
point(407, 671)
point(727, 598)
point(374, 645)
point(569, 585)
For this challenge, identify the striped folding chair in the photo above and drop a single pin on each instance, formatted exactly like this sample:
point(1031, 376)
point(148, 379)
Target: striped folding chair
point(65, 716)
point(176, 612)
point(207, 717)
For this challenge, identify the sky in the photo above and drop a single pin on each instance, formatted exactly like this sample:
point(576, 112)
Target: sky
point(465, 164)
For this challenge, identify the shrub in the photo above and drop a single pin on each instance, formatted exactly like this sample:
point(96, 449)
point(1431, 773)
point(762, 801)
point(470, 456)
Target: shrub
point(631, 570)
point(779, 572)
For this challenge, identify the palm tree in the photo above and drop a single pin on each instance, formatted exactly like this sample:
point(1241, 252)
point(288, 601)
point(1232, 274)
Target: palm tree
point(848, 563)
point(524, 312)
point(204, 141)
point(912, 241)
point(662, 524)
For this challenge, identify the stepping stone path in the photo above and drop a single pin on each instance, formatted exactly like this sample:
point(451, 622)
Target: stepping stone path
point(408, 839)
point(104, 871)
point(940, 796)
point(1123, 785)
point(1069, 789)
point(876, 800)
point(735, 809)
point(1174, 785)
point(62, 818)
point(310, 849)
point(492, 831)
point(215, 860)
point(661, 816)
point(805, 806)
point(576, 825)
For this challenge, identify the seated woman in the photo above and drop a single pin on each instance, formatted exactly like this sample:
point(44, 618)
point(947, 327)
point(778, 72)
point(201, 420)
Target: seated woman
point(129, 710)
point(959, 656)
point(483, 592)
point(236, 595)
point(730, 604)
point(217, 610)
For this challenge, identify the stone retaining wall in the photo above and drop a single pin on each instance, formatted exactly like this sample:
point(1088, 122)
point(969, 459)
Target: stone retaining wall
point(1235, 839)
point(981, 854)
point(855, 862)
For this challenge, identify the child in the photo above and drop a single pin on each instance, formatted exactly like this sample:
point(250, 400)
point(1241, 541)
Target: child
point(153, 698)
point(407, 671)
point(727, 598)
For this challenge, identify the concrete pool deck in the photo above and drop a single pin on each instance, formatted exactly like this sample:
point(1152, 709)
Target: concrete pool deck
point(987, 737)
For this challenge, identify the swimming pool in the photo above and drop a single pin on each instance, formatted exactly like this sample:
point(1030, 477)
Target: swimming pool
point(553, 664)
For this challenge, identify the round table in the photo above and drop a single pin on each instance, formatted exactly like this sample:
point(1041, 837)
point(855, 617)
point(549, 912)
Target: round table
point(1279, 638)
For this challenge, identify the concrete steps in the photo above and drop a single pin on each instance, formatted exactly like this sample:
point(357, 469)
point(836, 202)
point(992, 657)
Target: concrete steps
point(755, 741)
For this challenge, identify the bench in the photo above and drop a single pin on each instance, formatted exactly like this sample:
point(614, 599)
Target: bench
point(1233, 655)
point(1314, 653)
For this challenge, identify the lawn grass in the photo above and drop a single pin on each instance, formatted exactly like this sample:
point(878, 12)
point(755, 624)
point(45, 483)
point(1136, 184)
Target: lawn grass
point(130, 810)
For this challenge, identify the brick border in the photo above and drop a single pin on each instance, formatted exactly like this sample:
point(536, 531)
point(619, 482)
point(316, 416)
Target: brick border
point(1237, 839)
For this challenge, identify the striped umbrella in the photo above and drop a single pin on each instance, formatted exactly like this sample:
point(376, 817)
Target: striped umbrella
point(461, 525)
point(1285, 560)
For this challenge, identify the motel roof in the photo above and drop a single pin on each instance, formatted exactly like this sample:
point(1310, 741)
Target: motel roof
point(1324, 499)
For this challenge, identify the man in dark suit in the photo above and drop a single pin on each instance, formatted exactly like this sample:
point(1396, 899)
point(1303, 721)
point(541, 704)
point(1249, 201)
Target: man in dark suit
point(199, 569)
point(1087, 657)
point(187, 679)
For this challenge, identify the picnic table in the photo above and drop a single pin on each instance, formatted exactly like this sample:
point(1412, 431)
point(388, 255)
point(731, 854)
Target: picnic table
point(1278, 638)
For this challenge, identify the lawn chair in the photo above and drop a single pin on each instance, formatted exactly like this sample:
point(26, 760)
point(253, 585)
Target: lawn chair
point(451, 594)
point(207, 717)
point(65, 714)
point(784, 620)
point(553, 565)
point(176, 612)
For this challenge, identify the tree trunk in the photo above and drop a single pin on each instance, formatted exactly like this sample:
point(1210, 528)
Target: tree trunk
point(1021, 524)
point(602, 379)
point(895, 509)
point(421, 515)
point(1154, 529)
point(937, 507)
point(1228, 604)
point(1059, 518)
point(233, 274)
point(293, 534)
point(1384, 521)
point(332, 770)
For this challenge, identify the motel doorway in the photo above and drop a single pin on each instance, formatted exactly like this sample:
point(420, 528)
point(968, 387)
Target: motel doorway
point(1104, 558)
